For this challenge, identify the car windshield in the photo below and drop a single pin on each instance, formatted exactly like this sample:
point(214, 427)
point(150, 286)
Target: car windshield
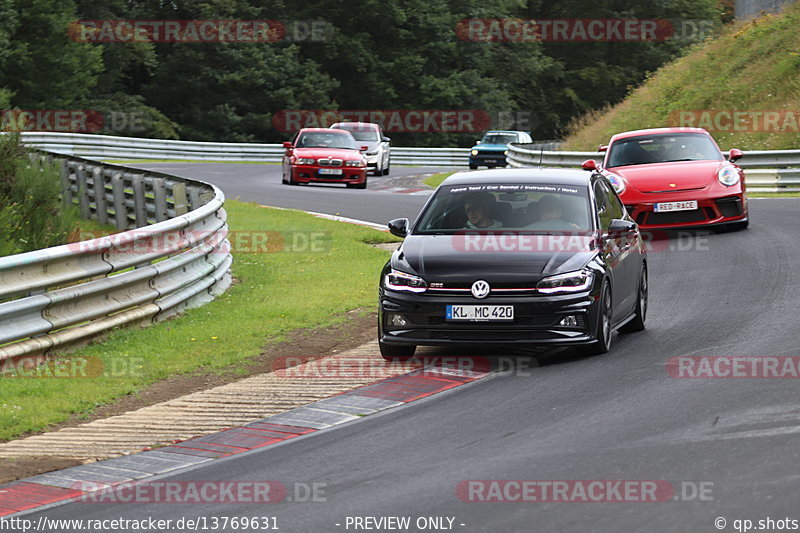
point(498, 138)
point(662, 148)
point(326, 139)
point(363, 134)
point(535, 208)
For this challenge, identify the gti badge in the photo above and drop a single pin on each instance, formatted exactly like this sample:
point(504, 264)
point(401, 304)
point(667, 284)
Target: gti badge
point(480, 289)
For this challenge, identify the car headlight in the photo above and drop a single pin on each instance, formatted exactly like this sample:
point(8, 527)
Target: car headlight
point(374, 152)
point(356, 163)
point(617, 182)
point(400, 281)
point(306, 161)
point(474, 152)
point(505, 152)
point(577, 281)
point(728, 176)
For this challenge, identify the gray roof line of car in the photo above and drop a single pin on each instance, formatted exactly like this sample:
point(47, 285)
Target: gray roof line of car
point(556, 176)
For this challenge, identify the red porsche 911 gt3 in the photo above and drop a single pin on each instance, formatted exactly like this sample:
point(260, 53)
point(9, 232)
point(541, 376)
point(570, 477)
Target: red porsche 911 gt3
point(675, 177)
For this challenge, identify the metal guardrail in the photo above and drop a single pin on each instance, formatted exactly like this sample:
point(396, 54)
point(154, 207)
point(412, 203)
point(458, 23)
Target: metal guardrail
point(172, 254)
point(778, 176)
point(111, 147)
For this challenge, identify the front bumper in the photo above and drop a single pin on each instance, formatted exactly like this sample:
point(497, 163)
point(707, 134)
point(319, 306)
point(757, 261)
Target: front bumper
point(535, 321)
point(310, 173)
point(491, 159)
point(711, 211)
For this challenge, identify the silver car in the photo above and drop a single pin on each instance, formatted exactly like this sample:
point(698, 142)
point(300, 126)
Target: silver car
point(378, 152)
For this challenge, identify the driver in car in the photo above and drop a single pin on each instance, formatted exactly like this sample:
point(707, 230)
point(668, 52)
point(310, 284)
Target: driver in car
point(478, 207)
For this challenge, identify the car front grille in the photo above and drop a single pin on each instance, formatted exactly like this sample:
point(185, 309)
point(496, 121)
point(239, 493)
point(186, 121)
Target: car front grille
point(678, 217)
point(730, 206)
point(327, 162)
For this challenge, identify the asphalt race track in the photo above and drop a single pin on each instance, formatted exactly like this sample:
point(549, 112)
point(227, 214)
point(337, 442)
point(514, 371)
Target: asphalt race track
point(728, 446)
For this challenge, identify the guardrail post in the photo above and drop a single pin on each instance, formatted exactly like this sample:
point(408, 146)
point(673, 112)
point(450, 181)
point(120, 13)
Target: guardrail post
point(179, 198)
point(120, 207)
point(160, 196)
point(100, 201)
point(139, 200)
point(83, 192)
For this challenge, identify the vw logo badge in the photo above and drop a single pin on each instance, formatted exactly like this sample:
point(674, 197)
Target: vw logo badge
point(480, 289)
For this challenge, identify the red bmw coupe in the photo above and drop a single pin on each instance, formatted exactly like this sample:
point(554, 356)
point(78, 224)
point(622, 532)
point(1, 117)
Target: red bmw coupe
point(324, 155)
point(675, 177)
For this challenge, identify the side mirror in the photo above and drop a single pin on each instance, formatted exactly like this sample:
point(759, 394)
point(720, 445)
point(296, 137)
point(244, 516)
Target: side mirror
point(477, 142)
point(287, 144)
point(589, 164)
point(399, 227)
point(619, 227)
point(735, 155)
point(603, 148)
point(385, 139)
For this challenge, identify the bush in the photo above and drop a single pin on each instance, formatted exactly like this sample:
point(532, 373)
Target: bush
point(32, 215)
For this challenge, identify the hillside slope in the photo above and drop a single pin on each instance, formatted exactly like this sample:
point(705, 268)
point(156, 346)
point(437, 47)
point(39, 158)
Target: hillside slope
point(751, 68)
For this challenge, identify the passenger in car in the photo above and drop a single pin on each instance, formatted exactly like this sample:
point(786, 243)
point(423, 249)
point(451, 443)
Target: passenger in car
point(550, 211)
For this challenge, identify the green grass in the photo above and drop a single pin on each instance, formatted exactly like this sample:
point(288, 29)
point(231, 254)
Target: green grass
point(751, 194)
point(752, 66)
point(437, 179)
point(275, 293)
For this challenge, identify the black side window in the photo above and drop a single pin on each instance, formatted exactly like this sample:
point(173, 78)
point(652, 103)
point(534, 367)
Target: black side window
point(617, 209)
point(603, 209)
point(609, 206)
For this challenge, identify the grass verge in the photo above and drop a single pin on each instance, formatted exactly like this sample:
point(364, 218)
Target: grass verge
point(437, 179)
point(752, 67)
point(315, 269)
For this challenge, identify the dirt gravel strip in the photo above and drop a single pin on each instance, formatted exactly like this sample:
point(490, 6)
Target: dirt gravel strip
point(212, 410)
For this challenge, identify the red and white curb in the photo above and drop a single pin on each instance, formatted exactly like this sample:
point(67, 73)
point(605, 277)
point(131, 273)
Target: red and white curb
point(29, 494)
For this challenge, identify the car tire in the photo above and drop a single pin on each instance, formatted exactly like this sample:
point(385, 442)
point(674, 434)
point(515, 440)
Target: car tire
point(386, 170)
point(473, 167)
point(291, 179)
point(396, 351)
point(361, 185)
point(637, 323)
point(604, 331)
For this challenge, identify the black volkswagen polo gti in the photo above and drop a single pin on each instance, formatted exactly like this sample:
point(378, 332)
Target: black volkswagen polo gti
point(515, 256)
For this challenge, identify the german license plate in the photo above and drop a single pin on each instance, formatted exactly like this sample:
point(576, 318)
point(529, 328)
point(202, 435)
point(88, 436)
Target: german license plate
point(331, 171)
point(675, 206)
point(480, 313)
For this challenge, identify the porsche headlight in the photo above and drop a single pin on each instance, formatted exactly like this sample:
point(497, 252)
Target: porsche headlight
point(617, 182)
point(400, 281)
point(728, 176)
point(577, 281)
